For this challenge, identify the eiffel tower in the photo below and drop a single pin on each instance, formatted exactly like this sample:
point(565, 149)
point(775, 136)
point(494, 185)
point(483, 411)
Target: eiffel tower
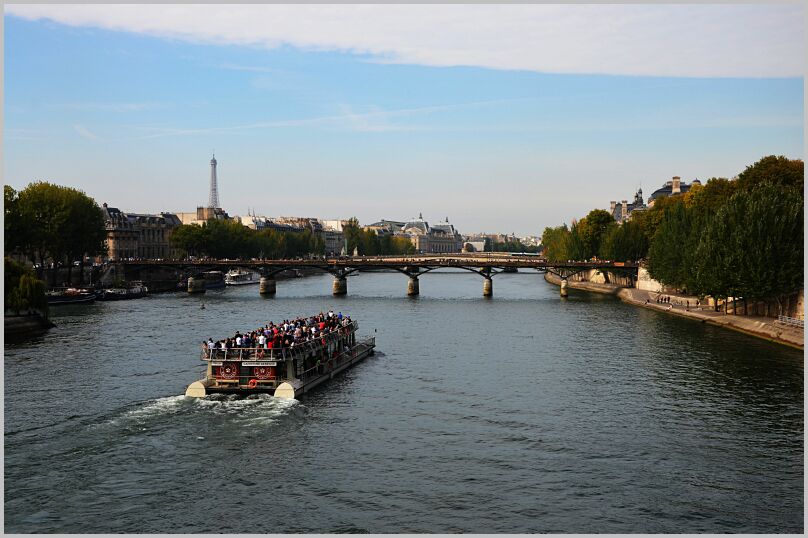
point(213, 200)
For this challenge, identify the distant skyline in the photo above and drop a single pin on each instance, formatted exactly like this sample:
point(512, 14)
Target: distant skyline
point(504, 118)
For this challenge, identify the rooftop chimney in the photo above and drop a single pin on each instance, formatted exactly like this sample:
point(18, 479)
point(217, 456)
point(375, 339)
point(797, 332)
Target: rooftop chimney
point(676, 185)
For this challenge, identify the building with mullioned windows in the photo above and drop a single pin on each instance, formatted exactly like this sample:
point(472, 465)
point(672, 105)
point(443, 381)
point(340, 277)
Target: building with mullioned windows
point(138, 235)
point(439, 238)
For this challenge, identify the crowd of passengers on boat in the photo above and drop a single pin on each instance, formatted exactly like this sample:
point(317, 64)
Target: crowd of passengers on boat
point(287, 334)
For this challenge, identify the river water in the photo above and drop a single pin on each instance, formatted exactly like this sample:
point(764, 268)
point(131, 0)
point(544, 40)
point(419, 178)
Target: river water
point(520, 413)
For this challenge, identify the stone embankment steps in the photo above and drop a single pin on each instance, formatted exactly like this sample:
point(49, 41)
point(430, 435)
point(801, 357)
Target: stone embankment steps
point(758, 326)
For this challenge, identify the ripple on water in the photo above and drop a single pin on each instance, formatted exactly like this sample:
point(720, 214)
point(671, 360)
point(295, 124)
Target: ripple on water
point(519, 414)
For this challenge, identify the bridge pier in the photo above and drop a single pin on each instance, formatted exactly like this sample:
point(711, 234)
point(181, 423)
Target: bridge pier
point(266, 286)
point(340, 286)
point(563, 287)
point(196, 285)
point(412, 286)
point(488, 287)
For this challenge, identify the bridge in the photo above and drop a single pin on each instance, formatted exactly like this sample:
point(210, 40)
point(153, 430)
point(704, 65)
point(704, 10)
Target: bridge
point(486, 265)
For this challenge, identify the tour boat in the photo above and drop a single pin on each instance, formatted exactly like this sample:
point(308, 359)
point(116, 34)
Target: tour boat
point(239, 277)
point(134, 291)
point(213, 279)
point(287, 372)
point(70, 296)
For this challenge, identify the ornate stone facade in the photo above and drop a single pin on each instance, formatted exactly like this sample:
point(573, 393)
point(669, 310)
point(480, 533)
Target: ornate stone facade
point(134, 235)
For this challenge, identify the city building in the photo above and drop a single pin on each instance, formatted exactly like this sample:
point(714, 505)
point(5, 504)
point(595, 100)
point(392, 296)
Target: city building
point(139, 235)
point(670, 188)
point(336, 225)
point(334, 237)
point(386, 227)
point(122, 238)
point(474, 246)
point(202, 215)
point(622, 212)
point(431, 239)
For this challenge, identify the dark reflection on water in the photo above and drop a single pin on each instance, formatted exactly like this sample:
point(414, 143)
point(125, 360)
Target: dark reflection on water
point(524, 413)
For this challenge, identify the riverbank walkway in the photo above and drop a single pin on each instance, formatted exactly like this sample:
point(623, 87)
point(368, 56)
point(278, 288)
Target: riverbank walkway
point(759, 326)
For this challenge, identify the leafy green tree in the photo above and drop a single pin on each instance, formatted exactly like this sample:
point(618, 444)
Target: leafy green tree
point(775, 170)
point(711, 196)
point(591, 230)
point(190, 239)
point(13, 239)
point(755, 245)
point(577, 245)
point(23, 291)
point(513, 245)
point(670, 254)
point(556, 243)
point(353, 234)
point(57, 223)
point(650, 219)
point(84, 233)
point(626, 242)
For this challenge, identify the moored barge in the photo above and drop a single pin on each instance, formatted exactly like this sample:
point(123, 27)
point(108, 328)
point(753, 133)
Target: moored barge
point(286, 372)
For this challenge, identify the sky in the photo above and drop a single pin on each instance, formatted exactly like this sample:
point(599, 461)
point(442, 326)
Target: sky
point(503, 118)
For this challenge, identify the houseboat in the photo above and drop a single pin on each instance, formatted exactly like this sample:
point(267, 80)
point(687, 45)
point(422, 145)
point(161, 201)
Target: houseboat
point(70, 296)
point(239, 277)
point(133, 291)
point(285, 372)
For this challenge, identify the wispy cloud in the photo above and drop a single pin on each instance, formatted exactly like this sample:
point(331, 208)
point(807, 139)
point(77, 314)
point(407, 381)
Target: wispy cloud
point(372, 119)
point(690, 40)
point(84, 132)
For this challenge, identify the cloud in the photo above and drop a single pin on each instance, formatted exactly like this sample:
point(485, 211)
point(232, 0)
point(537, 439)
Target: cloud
point(84, 132)
point(631, 39)
point(374, 119)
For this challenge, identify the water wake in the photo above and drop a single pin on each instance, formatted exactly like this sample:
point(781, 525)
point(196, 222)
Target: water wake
point(252, 410)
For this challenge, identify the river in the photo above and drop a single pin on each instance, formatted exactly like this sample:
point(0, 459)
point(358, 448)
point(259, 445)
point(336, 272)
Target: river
point(522, 413)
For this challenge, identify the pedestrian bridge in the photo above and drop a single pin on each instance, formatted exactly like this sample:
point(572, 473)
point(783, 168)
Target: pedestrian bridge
point(486, 265)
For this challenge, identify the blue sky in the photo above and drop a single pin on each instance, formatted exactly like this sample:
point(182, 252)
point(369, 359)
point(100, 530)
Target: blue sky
point(378, 129)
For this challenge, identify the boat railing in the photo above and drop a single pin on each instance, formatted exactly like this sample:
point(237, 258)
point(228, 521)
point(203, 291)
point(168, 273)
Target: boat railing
point(318, 368)
point(295, 351)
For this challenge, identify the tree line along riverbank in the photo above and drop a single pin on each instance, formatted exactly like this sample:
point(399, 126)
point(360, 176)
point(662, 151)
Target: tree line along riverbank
point(736, 240)
point(685, 306)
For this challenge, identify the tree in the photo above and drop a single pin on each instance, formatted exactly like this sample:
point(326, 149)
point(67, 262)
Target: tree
point(84, 232)
point(626, 242)
point(23, 291)
point(670, 252)
point(756, 243)
point(190, 239)
point(556, 243)
point(577, 245)
point(353, 234)
point(710, 197)
point(591, 230)
point(13, 239)
point(776, 170)
point(58, 224)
